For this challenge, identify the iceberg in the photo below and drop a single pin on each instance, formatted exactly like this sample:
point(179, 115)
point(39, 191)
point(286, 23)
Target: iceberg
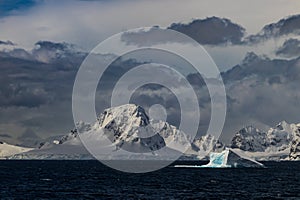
point(229, 158)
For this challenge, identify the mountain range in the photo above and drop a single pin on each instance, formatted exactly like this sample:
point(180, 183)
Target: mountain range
point(129, 128)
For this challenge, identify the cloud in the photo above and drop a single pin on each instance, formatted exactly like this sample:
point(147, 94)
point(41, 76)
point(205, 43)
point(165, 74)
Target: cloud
point(28, 81)
point(28, 134)
point(152, 36)
point(36, 85)
point(290, 48)
point(86, 23)
point(209, 31)
point(46, 51)
point(284, 27)
point(35, 94)
point(17, 95)
point(263, 91)
point(212, 31)
point(29, 138)
point(263, 68)
point(4, 135)
point(6, 42)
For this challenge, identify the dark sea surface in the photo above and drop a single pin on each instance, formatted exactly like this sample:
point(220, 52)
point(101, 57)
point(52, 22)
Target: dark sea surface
point(92, 180)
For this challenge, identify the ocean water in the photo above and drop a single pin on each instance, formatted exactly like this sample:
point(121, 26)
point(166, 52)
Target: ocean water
point(92, 180)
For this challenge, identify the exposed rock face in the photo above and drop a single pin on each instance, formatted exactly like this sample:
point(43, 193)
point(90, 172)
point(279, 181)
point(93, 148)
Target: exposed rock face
point(128, 127)
point(275, 139)
point(207, 143)
point(295, 147)
point(249, 139)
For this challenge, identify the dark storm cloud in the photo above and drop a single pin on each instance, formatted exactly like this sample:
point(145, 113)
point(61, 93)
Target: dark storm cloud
point(286, 26)
point(17, 53)
point(32, 83)
point(212, 31)
point(36, 94)
point(290, 48)
point(263, 68)
point(52, 46)
point(64, 54)
point(28, 133)
point(4, 135)
point(36, 86)
point(17, 95)
point(209, 31)
point(6, 42)
point(262, 91)
point(150, 37)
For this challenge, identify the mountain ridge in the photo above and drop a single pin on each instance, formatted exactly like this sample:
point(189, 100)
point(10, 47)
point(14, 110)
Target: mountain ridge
point(127, 127)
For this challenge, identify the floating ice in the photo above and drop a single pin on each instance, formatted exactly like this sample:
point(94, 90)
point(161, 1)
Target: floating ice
point(231, 158)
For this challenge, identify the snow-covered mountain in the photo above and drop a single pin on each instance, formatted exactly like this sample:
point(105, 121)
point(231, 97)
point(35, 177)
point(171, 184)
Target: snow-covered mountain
point(204, 145)
point(67, 147)
point(295, 146)
point(129, 128)
point(249, 139)
point(274, 144)
point(7, 150)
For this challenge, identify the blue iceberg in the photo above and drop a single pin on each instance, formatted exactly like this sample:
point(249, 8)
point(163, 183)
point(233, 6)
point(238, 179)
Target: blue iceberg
point(230, 158)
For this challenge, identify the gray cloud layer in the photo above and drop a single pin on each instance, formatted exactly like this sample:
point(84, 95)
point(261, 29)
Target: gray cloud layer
point(290, 48)
point(284, 27)
point(212, 31)
point(36, 94)
point(6, 42)
point(36, 86)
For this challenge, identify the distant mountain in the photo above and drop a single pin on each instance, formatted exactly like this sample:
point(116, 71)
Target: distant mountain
point(295, 146)
point(249, 139)
point(7, 150)
point(275, 144)
point(66, 147)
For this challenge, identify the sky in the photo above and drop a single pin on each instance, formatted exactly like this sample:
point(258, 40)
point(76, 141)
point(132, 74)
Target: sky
point(37, 77)
point(28, 21)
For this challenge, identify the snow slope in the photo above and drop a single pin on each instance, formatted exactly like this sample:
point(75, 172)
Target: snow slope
point(68, 147)
point(7, 150)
